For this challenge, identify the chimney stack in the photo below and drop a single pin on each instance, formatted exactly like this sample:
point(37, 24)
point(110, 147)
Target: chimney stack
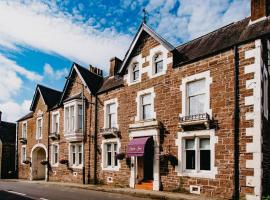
point(259, 9)
point(95, 70)
point(115, 64)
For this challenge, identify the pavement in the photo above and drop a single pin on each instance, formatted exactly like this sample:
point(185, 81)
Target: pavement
point(71, 191)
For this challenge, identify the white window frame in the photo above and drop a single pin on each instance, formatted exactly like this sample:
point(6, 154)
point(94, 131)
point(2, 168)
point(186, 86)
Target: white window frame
point(183, 88)
point(39, 136)
point(53, 122)
point(53, 154)
point(129, 77)
point(104, 155)
point(180, 142)
point(139, 116)
point(24, 135)
point(23, 157)
point(106, 120)
point(75, 103)
point(76, 165)
point(133, 72)
point(154, 61)
point(265, 93)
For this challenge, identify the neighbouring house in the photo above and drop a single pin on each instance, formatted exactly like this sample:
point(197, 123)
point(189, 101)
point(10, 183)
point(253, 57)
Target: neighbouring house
point(7, 149)
point(194, 117)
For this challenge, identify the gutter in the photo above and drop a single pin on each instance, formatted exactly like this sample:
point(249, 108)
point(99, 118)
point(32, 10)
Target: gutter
point(49, 128)
point(236, 192)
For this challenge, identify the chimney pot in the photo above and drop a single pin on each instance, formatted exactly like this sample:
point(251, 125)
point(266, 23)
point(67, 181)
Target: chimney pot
point(115, 64)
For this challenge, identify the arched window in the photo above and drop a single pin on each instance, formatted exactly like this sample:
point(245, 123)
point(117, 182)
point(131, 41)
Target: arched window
point(158, 63)
point(135, 72)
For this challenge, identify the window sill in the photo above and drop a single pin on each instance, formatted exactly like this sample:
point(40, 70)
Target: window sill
point(55, 165)
point(154, 75)
point(76, 166)
point(200, 174)
point(111, 168)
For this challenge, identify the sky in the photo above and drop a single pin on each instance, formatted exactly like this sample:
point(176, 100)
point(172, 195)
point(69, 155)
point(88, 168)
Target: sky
point(39, 40)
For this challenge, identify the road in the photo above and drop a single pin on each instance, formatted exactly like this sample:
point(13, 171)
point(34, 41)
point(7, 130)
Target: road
point(29, 191)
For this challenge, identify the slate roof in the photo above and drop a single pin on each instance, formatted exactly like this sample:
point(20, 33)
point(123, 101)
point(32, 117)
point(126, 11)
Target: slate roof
point(222, 39)
point(50, 96)
point(110, 83)
point(27, 116)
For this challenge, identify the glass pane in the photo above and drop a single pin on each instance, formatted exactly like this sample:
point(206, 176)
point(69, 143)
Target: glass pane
point(112, 108)
point(109, 147)
point(190, 143)
point(115, 152)
point(205, 160)
point(190, 159)
point(147, 112)
point(196, 104)
point(135, 75)
point(159, 66)
point(204, 143)
point(109, 158)
point(196, 87)
point(80, 158)
point(146, 99)
point(112, 120)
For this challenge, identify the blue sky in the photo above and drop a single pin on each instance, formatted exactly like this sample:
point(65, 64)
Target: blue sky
point(39, 40)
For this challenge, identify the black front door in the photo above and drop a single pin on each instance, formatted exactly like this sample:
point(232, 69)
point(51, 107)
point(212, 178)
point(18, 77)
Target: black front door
point(148, 159)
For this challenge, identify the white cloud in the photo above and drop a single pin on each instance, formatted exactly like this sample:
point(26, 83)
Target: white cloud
point(54, 74)
point(37, 25)
point(12, 111)
point(11, 78)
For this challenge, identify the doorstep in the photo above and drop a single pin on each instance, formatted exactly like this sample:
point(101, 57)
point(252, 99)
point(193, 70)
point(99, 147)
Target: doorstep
point(127, 191)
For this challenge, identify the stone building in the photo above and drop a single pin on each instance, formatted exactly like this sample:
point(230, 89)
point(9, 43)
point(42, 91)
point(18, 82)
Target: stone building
point(7, 149)
point(194, 117)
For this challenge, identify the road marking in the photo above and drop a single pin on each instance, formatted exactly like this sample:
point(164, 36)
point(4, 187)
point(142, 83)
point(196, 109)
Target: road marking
point(10, 191)
point(43, 199)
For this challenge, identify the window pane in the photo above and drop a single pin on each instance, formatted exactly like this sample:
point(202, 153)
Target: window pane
point(67, 118)
point(115, 152)
point(204, 143)
point(159, 66)
point(196, 87)
point(147, 112)
point(112, 122)
point(205, 160)
point(190, 159)
point(112, 108)
point(73, 154)
point(80, 154)
point(196, 104)
point(190, 143)
point(80, 115)
point(109, 155)
point(146, 99)
point(72, 117)
point(135, 72)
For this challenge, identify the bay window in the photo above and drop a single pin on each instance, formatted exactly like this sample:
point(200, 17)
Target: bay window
point(73, 117)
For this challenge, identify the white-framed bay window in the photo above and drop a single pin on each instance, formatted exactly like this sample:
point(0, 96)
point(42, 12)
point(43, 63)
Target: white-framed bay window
point(73, 116)
point(195, 91)
point(110, 113)
point(196, 153)
point(39, 125)
point(145, 105)
point(110, 148)
point(24, 129)
point(55, 154)
point(75, 155)
point(23, 153)
point(55, 122)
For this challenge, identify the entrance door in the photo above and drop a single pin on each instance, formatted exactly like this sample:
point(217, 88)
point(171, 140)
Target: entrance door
point(38, 170)
point(148, 160)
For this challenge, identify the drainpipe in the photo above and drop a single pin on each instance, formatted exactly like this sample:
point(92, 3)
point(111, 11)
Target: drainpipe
point(83, 131)
point(236, 194)
point(89, 140)
point(16, 175)
point(95, 140)
point(49, 128)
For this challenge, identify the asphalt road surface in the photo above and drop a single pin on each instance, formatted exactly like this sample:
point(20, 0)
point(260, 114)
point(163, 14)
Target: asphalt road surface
point(29, 191)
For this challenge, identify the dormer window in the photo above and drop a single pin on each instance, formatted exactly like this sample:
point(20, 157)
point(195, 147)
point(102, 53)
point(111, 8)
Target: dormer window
point(158, 63)
point(135, 72)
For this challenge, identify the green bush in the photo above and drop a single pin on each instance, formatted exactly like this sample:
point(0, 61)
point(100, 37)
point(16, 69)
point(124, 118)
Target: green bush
point(266, 197)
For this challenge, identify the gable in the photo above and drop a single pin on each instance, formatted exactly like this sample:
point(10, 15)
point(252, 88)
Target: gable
point(38, 102)
point(144, 39)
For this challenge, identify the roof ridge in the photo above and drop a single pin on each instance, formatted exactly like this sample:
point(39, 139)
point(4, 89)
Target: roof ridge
point(38, 85)
point(78, 65)
point(218, 29)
